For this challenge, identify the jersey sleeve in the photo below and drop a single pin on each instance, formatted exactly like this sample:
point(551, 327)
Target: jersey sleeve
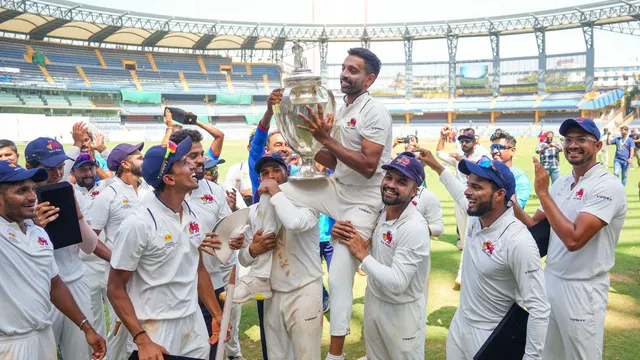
point(632, 144)
point(130, 241)
point(455, 188)
point(524, 262)
point(613, 141)
point(293, 218)
point(604, 200)
point(376, 126)
point(412, 248)
point(244, 257)
point(100, 209)
point(430, 207)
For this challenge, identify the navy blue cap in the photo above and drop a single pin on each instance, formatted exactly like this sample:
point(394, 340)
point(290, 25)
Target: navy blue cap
point(275, 157)
point(407, 164)
point(210, 163)
point(154, 166)
point(119, 153)
point(468, 135)
point(586, 124)
point(84, 158)
point(12, 172)
point(493, 170)
point(47, 151)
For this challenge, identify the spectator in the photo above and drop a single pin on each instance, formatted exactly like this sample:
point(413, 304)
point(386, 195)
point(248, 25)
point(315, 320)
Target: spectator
point(8, 151)
point(625, 147)
point(603, 154)
point(504, 149)
point(636, 140)
point(549, 158)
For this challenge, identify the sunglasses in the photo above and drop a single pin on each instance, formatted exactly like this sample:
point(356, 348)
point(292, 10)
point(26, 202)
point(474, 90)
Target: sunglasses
point(487, 163)
point(465, 141)
point(171, 149)
point(212, 172)
point(500, 147)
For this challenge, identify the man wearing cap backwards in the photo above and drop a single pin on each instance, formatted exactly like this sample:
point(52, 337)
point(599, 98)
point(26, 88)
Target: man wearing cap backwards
point(501, 260)
point(586, 211)
point(356, 148)
point(395, 306)
point(109, 210)
point(293, 312)
point(157, 272)
point(86, 188)
point(48, 154)
point(209, 203)
point(30, 282)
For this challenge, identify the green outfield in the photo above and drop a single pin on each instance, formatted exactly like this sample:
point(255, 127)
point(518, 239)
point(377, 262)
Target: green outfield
point(623, 314)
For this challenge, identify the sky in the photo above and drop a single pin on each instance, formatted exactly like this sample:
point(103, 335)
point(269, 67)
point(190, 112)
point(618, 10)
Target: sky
point(611, 49)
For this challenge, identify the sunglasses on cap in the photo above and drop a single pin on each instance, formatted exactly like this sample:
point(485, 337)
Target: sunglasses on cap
point(500, 147)
point(171, 149)
point(487, 163)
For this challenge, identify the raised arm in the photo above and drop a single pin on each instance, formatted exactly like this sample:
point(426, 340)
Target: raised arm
point(218, 139)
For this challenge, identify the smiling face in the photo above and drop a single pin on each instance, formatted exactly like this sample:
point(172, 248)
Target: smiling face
point(278, 145)
point(506, 154)
point(18, 200)
point(354, 79)
point(580, 147)
point(182, 176)
point(482, 196)
point(196, 158)
point(7, 153)
point(624, 131)
point(85, 176)
point(397, 189)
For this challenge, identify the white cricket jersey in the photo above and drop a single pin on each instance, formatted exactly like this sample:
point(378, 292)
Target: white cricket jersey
point(501, 264)
point(399, 259)
point(209, 203)
point(296, 261)
point(70, 266)
point(162, 252)
point(598, 193)
point(367, 118)
point(478, 152)
point(91, 261)
point(25, 285)
point(113, 205)
point(238, 173)
point(429, 206)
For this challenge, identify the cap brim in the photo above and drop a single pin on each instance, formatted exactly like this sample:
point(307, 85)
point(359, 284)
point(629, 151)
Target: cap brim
point(139, 147)
point(466, 137)
point(467, 167)
point(260, 163)
point(37, 175)
point(569, 123)
point(55, 160)
point(77, 165)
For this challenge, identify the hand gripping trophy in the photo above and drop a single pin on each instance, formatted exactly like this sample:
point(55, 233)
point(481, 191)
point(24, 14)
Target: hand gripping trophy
point(302, 89)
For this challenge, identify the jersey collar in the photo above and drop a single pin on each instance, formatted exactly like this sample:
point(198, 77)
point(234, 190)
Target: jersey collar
point(358, 100)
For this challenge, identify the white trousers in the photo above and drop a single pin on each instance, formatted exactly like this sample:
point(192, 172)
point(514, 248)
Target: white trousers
point(293, 323)
point(232, 347)
point(576, 322)
point(186, 336)
point(72, 341)
point(464, 340)
point(96, 271)
point(359, 204)
point(394, 331)
point(37, 344)
point(603, 156)
point(119, 341)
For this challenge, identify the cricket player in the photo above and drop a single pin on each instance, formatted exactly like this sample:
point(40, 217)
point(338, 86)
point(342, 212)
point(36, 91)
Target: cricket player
point(109, 210)
point(209, 203)
point(394, 304)
point(428, 204)
point(156, 271)
point(84, 171)
point(501, 260)
point(586, 211)
point(360, 145)
point(48, 154)
point(30, 283)
point(293, 314)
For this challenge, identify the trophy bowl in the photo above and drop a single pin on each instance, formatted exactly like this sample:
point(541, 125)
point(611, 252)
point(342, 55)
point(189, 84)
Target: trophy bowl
point(302, 89)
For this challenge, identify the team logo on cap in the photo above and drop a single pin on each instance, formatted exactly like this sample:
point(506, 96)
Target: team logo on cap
point(403, 160)
point(12, 164)
point(579, 194)
point(352, 123)
point(51, 145)
point(387, 238)
point(194, 228)
point(488, 247)
point(43, 242)
point(207, 198)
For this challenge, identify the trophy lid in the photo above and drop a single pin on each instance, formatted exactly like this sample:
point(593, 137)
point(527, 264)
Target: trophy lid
point(300, 73)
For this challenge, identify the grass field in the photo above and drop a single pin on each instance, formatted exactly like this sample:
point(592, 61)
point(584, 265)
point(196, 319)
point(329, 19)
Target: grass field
point(622, 324)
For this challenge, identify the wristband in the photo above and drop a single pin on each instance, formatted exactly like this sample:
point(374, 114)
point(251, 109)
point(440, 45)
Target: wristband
point(82, 323)
point(138, 334)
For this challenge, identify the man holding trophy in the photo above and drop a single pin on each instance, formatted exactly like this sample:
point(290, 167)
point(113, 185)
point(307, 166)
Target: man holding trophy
point(356, 144)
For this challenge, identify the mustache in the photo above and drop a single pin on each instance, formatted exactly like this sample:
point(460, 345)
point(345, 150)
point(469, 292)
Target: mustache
point(386, 188)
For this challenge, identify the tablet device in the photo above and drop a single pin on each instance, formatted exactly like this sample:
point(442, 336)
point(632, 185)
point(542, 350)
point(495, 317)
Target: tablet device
point(65, 230)
point(508, 340)
point(541, 233)
point(182, 116)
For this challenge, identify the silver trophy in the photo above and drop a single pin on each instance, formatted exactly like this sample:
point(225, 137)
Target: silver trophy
point(302, 88)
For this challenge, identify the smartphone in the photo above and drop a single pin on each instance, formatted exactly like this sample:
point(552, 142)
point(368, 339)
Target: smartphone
point(65, 230)
point(182, 116)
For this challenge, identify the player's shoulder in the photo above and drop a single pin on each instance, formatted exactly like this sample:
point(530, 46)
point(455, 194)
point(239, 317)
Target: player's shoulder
point(414, 224)
point(517, 173)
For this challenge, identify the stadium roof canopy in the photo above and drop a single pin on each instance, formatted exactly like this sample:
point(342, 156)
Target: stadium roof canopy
point(74, 21)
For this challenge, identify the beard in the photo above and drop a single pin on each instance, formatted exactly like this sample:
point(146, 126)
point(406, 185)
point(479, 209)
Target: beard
point(87, 182)
point(136, 170)
point(482, 209)
point(585, 160)
point(390, 200)
point(351, 88)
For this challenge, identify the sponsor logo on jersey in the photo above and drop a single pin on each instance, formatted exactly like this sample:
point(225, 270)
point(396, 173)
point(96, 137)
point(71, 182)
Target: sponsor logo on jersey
point(377, 128)
point(43, 242)
point(364, 210)
point(11, 233)
point(579, 194)
point(387, 238)
point(168, 238)
point(470, 231)
point(125, 201)
point(488, 247)
point(207, 198)
point(604, 197)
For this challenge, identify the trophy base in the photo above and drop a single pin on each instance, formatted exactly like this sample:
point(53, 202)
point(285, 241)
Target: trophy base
point(308, 171)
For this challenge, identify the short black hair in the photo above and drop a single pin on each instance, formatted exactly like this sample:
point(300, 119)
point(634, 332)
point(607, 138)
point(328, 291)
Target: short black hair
point(372, 63)
point(469, 130)
point(8, 143)
point(180, 135)
point(504, 135)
